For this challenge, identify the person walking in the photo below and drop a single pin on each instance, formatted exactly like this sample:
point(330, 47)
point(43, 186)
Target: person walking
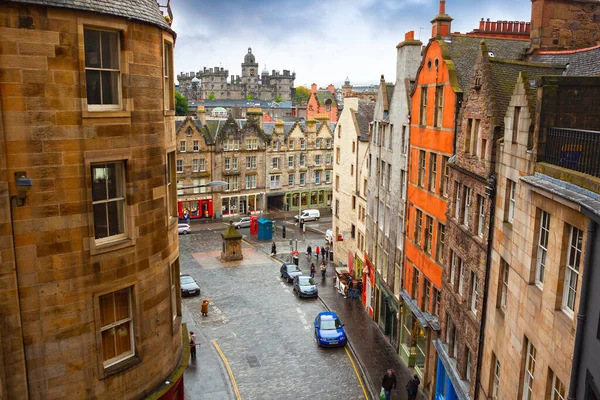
point(317, 251)
point(323, 270)
point(193, 345)
point(313, 269)
point(412, 387)
point(204, 308)
point(350, 287)
point(388, 382)
point(358, 290)
point(309, 251)
point(273, 249)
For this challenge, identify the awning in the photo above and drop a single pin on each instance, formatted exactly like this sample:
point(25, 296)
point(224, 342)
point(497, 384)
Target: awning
point(462, 391)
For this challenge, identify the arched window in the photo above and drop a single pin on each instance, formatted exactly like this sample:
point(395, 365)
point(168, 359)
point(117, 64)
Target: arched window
point(328, 105)
point(189, 131)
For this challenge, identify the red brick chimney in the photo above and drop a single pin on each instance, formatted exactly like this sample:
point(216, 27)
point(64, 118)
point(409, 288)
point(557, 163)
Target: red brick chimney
point(441, 24)
point(313, 88)
point(331, 89)
point(502, 29)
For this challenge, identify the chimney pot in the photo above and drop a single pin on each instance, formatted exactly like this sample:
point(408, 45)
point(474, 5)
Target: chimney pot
point(481, 24)
point(442, 7)
point(409, 35)
point(313, 88)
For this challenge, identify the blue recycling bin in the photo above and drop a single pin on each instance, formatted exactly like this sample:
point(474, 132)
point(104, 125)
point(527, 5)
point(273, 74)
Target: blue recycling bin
point(265, 229)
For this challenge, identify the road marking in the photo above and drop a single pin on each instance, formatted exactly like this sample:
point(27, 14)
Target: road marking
point(235, 388)
point(357, 374)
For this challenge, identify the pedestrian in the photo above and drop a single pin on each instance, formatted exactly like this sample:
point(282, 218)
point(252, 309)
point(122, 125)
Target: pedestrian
point(204, 308)
point(350, 287)
point(323, 270)
point(313, 269)
point(358, 290)
point(273, 249)
point(388, 382)
point(193, 345)
point(309, 251)
point(317, 251)
point(412, 387)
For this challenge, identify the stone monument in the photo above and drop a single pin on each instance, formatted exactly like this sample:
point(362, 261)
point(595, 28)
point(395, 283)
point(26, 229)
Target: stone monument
point(232, 244)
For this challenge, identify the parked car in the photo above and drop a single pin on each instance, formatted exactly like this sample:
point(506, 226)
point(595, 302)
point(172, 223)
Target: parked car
point(289, 271)
point(329, 331)
point(184, 229)
point(244, 222)
point(189, 287)
point(305, 286)
point(308, 215)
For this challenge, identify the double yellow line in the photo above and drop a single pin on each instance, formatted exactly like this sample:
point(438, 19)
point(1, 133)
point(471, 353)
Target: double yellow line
point(357, 374)
point(229, 371)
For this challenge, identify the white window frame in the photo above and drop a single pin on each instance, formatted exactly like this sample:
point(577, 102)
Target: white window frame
point(318, 143)
point(572, 270)
point(474, 292)
point(302, 180)
point(275, 181)
point(542, 248)
point(196, 144)
point(453, 265)
point(105, 107)
point(195, 165)
point(496, 379)
point(505, 269)
point(461, 273)
point(275, 162)
point(467, 206)
point(291, 162)
point(276, 145)
point(179, 166)
point(291, 144)
point(131, 353)
point(512, 190)
point(182, 146)
point(120, 197)
point(557, 388)
point(317, 177)
point(202, 164)
point(250, 181)
point(302, 161)
point(457, 200)
point(291, 178)
point(529, 371)
point(327, 176)
point(227, 163)
point(481, 219)
point(317, 159)
point(328, 143)
point(302, 144)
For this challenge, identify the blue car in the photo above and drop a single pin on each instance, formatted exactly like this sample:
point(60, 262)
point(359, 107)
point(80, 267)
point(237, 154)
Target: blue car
point(329, 331)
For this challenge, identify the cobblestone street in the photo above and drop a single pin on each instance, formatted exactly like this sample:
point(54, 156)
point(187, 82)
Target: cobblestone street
point(262, 328)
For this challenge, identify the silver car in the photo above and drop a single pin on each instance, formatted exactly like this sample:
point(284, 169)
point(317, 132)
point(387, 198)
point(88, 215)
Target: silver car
point(305, 286)
point(184, 229)
point(244, 222)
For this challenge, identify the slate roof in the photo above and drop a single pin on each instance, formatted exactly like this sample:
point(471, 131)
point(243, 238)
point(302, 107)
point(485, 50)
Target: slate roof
point(364, 116)
point(389, 87)
point(139, 10)
point(323, 95)
point(504, 77)
point(583, 62)
point(268, 128)
point(463, 51)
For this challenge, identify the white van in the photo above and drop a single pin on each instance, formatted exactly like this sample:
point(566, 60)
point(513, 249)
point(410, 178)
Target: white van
point(308, 215)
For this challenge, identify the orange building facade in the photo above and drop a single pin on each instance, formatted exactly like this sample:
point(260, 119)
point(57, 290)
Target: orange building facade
point(322, 101)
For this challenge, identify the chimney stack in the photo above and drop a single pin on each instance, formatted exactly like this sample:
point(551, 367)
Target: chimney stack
point(313, 88)
point(201, 114)
point(331, 89)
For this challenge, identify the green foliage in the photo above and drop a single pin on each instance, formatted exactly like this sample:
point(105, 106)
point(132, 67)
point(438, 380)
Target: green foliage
point(211, 96)
point(278, 99)
point(181, 104)
point(302, 94)
point(249, 97)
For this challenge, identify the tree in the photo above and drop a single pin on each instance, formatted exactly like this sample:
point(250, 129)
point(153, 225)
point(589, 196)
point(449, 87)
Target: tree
point(302, 94)
point(211, 96)
point(249, 97)
point(278, 99)
point(181, 104)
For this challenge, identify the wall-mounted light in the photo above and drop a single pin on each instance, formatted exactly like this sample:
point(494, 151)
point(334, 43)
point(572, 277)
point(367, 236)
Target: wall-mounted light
point(23, 184)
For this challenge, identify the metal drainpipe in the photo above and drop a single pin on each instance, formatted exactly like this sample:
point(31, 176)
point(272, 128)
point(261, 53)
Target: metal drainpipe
point(583, 300)
point(486, 284)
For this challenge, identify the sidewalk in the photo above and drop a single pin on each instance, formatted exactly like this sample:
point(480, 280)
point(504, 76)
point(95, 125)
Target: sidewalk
point(374, 353)
point(205, 378)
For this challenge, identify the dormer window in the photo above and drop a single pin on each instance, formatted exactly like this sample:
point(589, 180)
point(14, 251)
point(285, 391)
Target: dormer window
point(189, 131)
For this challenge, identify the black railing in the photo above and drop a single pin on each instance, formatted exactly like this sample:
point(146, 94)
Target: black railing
point(573, 149)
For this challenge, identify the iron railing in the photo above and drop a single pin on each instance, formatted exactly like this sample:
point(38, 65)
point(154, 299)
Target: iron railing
point(574, 149)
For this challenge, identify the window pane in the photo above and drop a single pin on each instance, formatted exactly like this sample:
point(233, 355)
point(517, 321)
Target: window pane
point(110, 87)
point(115, 220)
point(108, 344)
point(99, 178)
point(123, 337)
point(92, 83)
point(92, 48)
point(100, 222)
point(110, 50)
point(107, 309)
point(113, 185)
point(121, 304)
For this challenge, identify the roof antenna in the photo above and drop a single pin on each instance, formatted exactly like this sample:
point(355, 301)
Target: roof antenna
point(420, 29)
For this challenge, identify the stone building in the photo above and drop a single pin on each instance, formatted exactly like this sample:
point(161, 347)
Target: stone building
point(543, 254)
point(266, 165)
point(89, 282)
point(388, 157)
point(322, 101)
point(215, 85)
point(363, 92)
point(442, 82)
point(351, 142)
point(471, 188)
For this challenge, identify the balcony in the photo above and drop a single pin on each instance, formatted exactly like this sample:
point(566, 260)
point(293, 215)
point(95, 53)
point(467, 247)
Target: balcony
point(572, 149)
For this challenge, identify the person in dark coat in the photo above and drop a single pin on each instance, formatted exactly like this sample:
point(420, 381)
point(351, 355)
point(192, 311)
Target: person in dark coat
point(313, 269)
point(273, 249)
point(309, 251)
point(350, 288)
point(358, 290)
point(388, 382)
point(412, 387)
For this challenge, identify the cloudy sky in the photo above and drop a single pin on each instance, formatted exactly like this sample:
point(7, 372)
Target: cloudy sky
point(322, 41)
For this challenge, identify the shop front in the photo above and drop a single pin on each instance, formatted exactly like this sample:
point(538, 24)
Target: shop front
point(448, 383)
point(195, 208)
point(416, 330)
point(242, 205)
point(309, 198)
point(388, 312)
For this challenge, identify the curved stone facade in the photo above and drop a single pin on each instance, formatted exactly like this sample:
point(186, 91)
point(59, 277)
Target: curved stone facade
point(89, 294)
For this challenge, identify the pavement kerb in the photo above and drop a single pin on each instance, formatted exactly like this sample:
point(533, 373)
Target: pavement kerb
point(372, 393)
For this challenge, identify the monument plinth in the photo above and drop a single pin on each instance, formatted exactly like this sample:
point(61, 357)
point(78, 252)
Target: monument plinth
point(232, 244)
